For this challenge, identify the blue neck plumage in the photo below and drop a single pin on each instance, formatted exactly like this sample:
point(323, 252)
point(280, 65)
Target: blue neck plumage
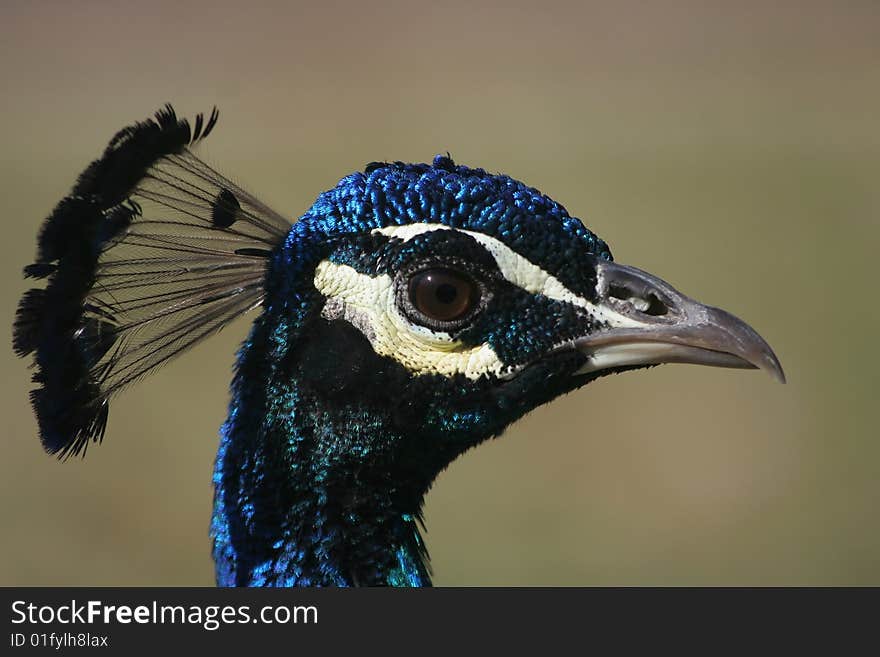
point(294, 503)
point(302, 492)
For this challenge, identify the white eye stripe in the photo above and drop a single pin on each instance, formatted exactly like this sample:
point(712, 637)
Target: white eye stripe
point(368, 303)
point(519, 271)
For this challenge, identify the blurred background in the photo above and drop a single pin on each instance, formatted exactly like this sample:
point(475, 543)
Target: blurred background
point(732, 148)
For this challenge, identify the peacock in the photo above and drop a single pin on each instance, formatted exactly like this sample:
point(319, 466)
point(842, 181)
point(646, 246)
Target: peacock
point(413, 312)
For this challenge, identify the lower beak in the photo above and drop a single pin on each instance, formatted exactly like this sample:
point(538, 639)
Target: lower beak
point(647, 322)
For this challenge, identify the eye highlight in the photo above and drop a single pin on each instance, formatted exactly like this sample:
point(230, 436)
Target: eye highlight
point(443, 295)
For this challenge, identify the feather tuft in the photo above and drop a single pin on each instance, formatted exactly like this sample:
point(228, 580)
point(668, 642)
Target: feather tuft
point(153, 251)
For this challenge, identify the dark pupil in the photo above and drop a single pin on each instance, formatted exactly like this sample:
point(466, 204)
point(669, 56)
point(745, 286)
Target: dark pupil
point(446, 293)
point(442, 294)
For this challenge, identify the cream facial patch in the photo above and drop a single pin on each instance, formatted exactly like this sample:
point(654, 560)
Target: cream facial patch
point(368, 303)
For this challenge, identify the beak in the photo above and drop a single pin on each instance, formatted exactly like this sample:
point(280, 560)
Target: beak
point(647, 322)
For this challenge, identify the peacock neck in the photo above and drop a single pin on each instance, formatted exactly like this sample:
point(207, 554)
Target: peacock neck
point(305, 485)
point(301, 519)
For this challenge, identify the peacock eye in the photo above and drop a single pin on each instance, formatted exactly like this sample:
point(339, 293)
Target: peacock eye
point(443, 295)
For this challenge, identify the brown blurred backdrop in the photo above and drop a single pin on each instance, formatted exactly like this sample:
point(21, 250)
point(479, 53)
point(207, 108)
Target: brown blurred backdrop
point(732, 148)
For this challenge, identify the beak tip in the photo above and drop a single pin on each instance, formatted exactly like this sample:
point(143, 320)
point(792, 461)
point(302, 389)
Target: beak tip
point(775, 370)
point(768, 362)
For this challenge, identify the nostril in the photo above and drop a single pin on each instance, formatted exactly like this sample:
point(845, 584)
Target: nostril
point(649, 304)
point(655, 306)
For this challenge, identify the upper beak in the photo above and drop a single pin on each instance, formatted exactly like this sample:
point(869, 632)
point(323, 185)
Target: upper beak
point(650, 322)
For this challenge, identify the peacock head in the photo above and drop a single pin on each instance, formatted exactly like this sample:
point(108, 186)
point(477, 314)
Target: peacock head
point(414, 311)
point(449, 301)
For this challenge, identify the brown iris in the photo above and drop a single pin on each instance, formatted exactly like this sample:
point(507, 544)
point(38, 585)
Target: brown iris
point(443, 295)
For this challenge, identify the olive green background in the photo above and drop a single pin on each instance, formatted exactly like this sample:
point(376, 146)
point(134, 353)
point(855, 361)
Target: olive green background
point(731, 148)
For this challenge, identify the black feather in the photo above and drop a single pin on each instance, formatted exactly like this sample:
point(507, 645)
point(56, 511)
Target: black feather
point(226, 208)
point(255, 253)
point(39, 270)
point(28, 319)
